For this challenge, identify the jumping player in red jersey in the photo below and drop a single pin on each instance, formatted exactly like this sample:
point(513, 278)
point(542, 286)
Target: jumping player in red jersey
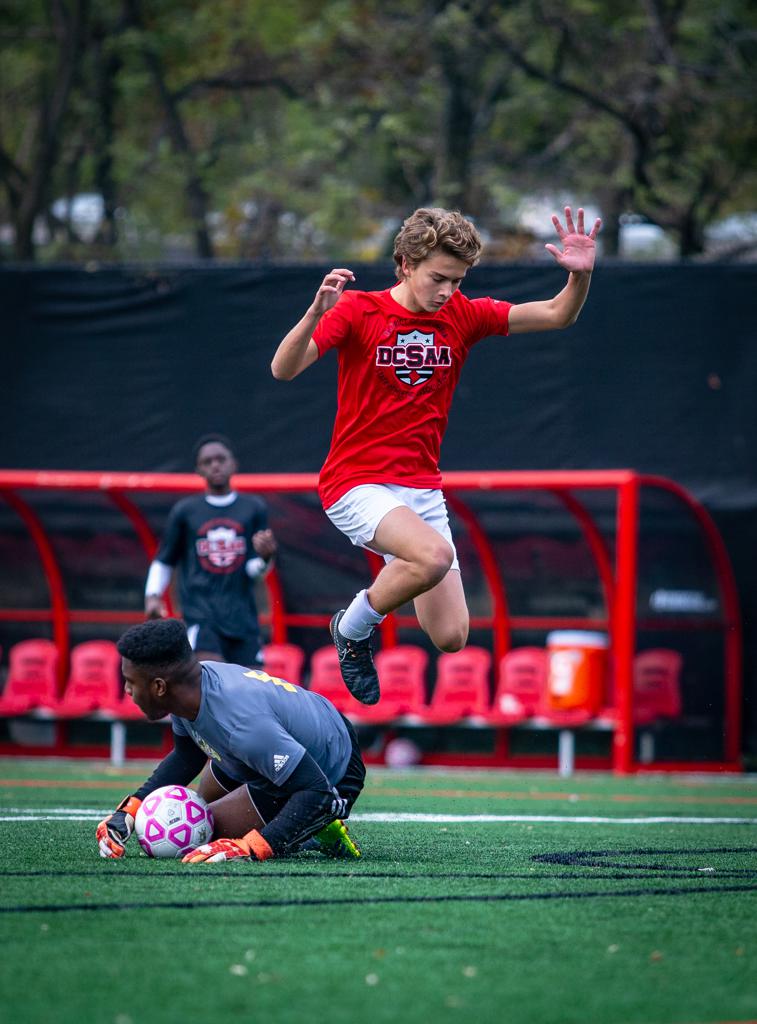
point(400, 356)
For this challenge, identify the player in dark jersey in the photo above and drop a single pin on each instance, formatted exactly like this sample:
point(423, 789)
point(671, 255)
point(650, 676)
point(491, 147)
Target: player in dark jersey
point(400, 355)
point(221, 543)
point(285, 764)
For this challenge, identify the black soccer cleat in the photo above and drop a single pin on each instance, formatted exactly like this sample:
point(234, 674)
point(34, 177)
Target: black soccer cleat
point(356, 663)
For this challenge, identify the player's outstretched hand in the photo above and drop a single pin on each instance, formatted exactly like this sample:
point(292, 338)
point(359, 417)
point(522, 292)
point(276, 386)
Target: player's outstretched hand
point(578, 248)
point(113, 832)
point(252, 846)
point(331, 288)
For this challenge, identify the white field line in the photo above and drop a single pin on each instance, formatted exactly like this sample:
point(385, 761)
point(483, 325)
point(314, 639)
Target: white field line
point(54, 812)
point(87, 814)
point(547, 819)
point(52, 817)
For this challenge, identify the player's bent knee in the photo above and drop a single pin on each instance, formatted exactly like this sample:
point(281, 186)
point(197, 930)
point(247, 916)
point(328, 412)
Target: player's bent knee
point(453, 644)
point(235, 815)
point(452, 639)
point(435, 561)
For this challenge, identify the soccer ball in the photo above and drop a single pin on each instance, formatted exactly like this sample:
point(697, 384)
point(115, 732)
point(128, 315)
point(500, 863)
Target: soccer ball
point(402, 753)
point(171, 821)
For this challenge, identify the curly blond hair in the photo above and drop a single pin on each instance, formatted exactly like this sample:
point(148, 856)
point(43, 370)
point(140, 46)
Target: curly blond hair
point(432, 228)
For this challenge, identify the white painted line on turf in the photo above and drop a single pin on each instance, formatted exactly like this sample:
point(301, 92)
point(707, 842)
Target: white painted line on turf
point(52, 814)
point(57, 811)
point(53, 817)
point(87, 814)
point(544, 818)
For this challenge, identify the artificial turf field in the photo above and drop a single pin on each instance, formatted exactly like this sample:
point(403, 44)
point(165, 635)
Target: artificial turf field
point(515, 898)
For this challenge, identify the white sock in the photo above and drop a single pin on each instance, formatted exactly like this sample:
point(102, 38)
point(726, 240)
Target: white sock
point(360, 619)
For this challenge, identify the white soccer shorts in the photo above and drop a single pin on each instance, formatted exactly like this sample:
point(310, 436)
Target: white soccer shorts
point(357, 513)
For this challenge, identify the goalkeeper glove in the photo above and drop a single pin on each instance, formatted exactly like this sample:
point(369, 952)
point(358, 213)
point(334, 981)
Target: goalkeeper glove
point(252, 846)
point(113, 832)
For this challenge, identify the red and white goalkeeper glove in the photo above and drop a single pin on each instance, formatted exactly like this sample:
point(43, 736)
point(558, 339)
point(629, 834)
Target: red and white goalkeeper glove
point(113, 832)
point(253, 846)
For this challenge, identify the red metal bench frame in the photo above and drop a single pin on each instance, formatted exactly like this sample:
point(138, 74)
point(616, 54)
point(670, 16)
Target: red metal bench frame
point(619, 580)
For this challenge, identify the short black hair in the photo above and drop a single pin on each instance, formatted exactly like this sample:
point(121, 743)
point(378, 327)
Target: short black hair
point(159, 643)
point(210, 439)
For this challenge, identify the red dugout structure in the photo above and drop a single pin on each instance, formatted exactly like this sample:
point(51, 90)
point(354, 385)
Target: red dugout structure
point(608, 509)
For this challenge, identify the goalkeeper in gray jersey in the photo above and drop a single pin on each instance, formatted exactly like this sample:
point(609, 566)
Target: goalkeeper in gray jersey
point(285, 765)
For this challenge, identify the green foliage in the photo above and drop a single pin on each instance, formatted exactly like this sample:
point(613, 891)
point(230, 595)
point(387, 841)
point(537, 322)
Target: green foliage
point(245, 129)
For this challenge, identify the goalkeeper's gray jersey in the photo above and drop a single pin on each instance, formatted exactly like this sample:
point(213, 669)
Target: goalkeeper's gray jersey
point(252, 724)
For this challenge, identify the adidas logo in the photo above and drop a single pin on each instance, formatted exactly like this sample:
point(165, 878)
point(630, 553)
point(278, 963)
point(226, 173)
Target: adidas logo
point(279, 760)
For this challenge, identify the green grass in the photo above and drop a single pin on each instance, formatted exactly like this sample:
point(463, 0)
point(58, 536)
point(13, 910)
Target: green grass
point(521, 921)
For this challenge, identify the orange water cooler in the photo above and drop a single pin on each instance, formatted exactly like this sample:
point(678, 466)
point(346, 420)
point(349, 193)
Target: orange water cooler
point(577, 669)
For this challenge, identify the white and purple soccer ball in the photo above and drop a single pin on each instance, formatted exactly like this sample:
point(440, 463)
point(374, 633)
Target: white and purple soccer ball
point(173, 820)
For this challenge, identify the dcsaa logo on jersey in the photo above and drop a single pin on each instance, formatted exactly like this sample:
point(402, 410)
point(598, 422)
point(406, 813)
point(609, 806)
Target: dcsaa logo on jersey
point(414, 356)
point(221, 545)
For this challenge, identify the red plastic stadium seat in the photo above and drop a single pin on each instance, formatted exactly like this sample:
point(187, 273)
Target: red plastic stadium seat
point(326, 679)
point(402, 677)
point(656, 685)
point(94, 683)
point(521, 686)
point(284, 661)
point(462, 686)
point(32, 681)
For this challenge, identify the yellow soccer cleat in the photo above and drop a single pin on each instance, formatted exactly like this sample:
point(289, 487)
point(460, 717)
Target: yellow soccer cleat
point(335, 841)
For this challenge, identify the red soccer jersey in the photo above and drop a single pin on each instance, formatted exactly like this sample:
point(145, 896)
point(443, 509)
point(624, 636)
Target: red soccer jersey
point(397, 375)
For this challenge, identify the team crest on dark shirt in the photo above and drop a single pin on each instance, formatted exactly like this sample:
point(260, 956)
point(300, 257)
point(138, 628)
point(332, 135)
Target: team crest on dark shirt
point(413, 356)
point(221, 547)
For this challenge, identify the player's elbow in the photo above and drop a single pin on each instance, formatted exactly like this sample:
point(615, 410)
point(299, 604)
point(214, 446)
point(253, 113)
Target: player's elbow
point(561, 317)
point(281, 371)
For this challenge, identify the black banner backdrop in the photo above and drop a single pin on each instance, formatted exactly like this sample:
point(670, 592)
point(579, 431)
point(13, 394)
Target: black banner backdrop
point(121, 369)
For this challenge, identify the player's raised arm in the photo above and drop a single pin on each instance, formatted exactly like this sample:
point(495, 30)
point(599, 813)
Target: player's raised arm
point(297, 350)
point(577, 257)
